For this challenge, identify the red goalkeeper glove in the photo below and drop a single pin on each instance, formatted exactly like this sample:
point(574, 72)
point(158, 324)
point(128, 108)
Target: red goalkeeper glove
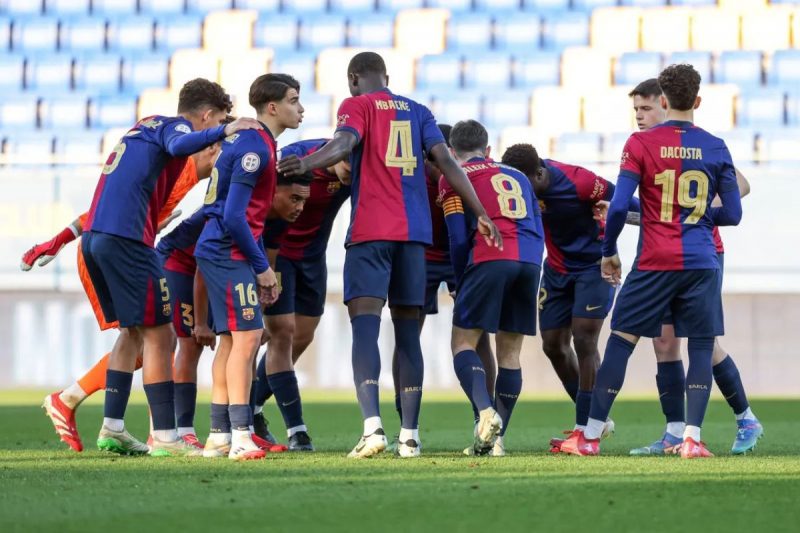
point(47, 251)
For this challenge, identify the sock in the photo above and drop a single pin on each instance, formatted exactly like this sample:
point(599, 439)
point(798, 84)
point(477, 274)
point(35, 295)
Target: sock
point(698, 379)
point(73, 395)
point(610, 377)
point(410, 370)
point(408, 434)
point(747, 415)
point(692, 432)
point(263, 392)
point(252, 400)
point(398, 405)
point(506, 392)
point(118, 390)
point(161, 399)
point(185, 403)
point(472, 377)
point(583, 402)
point(594, 427)
point(366, 363)
point(572, 389)
point(240, 417)
point(671, 383)
point(95, 378)
point(676, 429)
point(220, 420)
point(372, 424)
point(297, 429)
point(730, 384)
point(287, 395)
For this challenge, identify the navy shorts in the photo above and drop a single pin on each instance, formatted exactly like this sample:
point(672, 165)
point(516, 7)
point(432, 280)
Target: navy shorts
point(303, 286)
point(181, 288)
point(232, 294)
point(437, 273)
point(128, 279)
point(721, 258)
point(563, 297)
point(498, 296)
point(693, 297)
point(389, 270)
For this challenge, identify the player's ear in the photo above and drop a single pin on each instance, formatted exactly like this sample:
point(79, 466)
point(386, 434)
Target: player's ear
point(352, 77)
point(697, 101)
point(488, 152)
point(387, 80)
point(663, 101)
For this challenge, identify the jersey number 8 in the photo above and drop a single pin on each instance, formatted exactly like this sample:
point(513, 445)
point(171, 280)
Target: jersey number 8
point(509, 196)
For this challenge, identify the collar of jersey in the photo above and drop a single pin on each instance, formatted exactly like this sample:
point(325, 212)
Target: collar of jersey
point(679, 123)
point(477, 159)
point(267, 130)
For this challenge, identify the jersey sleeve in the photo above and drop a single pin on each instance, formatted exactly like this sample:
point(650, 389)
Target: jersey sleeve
point(631, 162)
point(250, 157)
point(178, 139)
point(590, 187)
point(727, 172)
point(431, 134)
point(352, 117)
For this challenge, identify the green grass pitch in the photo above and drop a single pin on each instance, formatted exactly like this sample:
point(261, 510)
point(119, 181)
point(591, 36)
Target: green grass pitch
point(46, 487)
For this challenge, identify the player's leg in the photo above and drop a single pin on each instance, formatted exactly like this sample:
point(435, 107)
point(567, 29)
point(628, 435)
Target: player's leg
point(509, 382)
point(261, 393)
point(185, 376)
point(556, 300)
point(304, 329)
point(218, 443)
point(239, 377)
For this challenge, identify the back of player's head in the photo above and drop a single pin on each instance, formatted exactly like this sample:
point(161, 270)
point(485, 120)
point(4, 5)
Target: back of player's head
point(523, 157)
point(228, 119)
point(367, 63)
point(298, 179)
point(445, 129)
point(646, 89)
point(680, 84)
point(469, 136)
point(200, 93)
point(271, 87)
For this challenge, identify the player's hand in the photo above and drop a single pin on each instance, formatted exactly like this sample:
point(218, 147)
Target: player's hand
point(242, 123)
point(204, 336)
point(172, 216)
point(267, 287)
point(204, 160)
point(490, 232)
point(291, 165)
point(46, 251)
point(611, 270)
point(600, 211)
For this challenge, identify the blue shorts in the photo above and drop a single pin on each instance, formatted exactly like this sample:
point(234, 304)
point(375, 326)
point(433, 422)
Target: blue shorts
point(721, 258)
point(693, 296)
point(437, 273)
point(498, 296)
point(181, 288)
point(303, 286)
point(389, 270)
point(128, 279)
point(232, 294)
point(563, 297)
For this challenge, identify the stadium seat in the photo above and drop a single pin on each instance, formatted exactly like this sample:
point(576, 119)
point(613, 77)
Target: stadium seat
point(633, 67)
point(319, 110)
point(556, 109)
point(116, 111)
point(237, 69)
point(646, 3)
point(608, 110)
point(454, 6)
point(784, 68)
point(759, 108)
point(67, 7)
point(51, 72)
point(141, 71)
point(201, 7)
point(525, 134)
point(613, 144)
point(615, 30)
point(34, 34)
point(190, 63)
point(581, 66)
point(278, 32)
point(767, 29)
point(12, 73)
point(5, 33)
point(98, 72)
point(741, 5)
point(457, 105)
point(22, 7)
point(24, 146)
point(159, 8)
point(228, 31)
point(469, 32)
point(332, 65)
point(314, 132)
point(743, 67)
point(83, 34)
point(324, 31)
point(19, 111)
point(301, 65)
point(111, 138)
point(488, 70)
point(439, 72)
point(793, 108)
point(518, 32)
point(352, 7)
point(666, 29)
point(421, 31)
point(715, 29)
point(175, 32)
point(497, 6)
point(114, 7)
point(398, 5)
point(741, 144)
point(129, 34)
point(78, 147)
point(796, 27)
point(701, 61)
point(540, 6)
point(565, 29)
point(262, 6)
point(589, 5)
point(509, 108)
point(716, 113)
point(693, 3)
point(67, 112)
point(535, 69)
point(577, 147)
point(306, 7)
point(778, 145)
point(371, 31)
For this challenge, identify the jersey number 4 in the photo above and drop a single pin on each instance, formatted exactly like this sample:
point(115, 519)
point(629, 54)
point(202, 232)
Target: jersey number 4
point(509, 196)
point(400, 152)
point(697, 203)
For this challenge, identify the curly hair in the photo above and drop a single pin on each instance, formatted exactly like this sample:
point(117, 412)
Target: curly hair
point(199, 93)
point(680, 84)
point(523, 157)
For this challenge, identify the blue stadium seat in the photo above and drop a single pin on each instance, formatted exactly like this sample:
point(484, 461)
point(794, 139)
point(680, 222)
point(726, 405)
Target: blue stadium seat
point(50, 72)
point(34, 34)
point(159, 8)
point(588, 5)
point(114, 7)
point(793, 108)
point(540, 6)
point(645, 3)
point(506, 109)
point(112, 111)
point(467, 32)
point(372, 31)
point(458, 106)
point(742, 67)
point(326, 31)
point(741, 144)
point(262, 6)
point(31, 144)
point(761, 108)
point(565, 29)
point(5, 33)
point(301, 65)
point(306, 7)
point(66, 111)
point(22, 7)
point(83, 33)
point(701, 61)
point(84, 145)
point(518, 32)
point(535, 69)
point(613, 144)
point(488, 70)
point(67, 7)
point(350, 7)
point(425, 98)
point(579, 147)
point(128, 34)
point(397, 5)
point(175, 32)
point(785, 68)
point(276, 31)
point(693, 3)
point(319, 109)
point(455, 6)
point(634, 67)
point(201, 7)
point(439, 72)
point(12, 72)
point(497, 6)
point(140, 71)
point(98, 72)
point(20, 111)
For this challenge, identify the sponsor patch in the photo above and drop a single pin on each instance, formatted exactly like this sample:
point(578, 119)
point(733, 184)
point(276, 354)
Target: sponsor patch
point(183, 128)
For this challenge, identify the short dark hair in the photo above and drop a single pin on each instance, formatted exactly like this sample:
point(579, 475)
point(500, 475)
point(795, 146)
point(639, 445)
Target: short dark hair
point(523, 157)
point(445, 129)
point(228, 119)
point(646, 89)
point(271, 87)
point(367, 63)
point(199, 93)
point(299, 179)
point(469, 136)
point(680, 84)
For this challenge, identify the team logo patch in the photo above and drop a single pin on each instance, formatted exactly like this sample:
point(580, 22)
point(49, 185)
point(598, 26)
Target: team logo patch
point(251, 162)
point(151, 123)
point(183, 128)
point(248, 313)
point(132, 133)
point(334, 186)
point(231, 138)
point(166, 310)
point(624, 158)
point(341, 120)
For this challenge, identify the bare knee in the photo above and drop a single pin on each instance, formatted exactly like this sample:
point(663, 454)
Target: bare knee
point(556, 343)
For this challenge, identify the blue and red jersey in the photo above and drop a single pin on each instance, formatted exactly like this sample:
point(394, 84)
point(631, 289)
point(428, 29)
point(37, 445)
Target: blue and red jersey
point(439, 250)
point(140, 173)
point(680, 168)
point(247, 159)
point(177, 246)
point(307, 237)
point(508, 198)
point(389, 193)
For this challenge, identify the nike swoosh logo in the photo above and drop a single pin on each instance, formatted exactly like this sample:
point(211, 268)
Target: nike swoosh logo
point(289, 403)
point(593, 307)
point(662, 395)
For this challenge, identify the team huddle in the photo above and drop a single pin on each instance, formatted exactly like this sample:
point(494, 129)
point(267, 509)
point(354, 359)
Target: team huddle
point(429, 205)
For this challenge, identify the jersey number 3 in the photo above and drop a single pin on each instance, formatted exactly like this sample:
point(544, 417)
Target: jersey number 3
point(509, 197)
point(697, 203)
point(400, 152)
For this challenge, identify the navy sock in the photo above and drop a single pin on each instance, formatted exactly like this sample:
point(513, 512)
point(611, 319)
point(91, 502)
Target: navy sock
point(239, 416)
point(220, 419)
point(506, 392)
point(287, 395)
point(472, 377)
point(572, 389)
point(263, 391)
point(161, 398)
point(410, 370)
point(583, 401)
point(252, 402)
point(610, 376)
point(118, 390)
point(671, 383)
point(730, 384)
point(185, 402)
point(366, 362)
point(698, 379)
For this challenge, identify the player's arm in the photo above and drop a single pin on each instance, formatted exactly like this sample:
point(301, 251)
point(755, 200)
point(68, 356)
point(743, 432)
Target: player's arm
point(336, 150)
point(180, 140)
point(743, 185)
point(611, 266)
point(201, 332)
point(184, 235)
point(47, 251)
point(457, 231)
point(730, 213)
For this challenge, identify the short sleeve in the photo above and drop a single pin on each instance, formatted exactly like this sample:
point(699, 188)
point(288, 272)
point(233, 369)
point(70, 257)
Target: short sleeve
point(250, 158)
point(448, 199)
point(431, 134)
point(589, 186)
point(727, 173)
point(630, 164)
point(352, 117)
point(173, 129)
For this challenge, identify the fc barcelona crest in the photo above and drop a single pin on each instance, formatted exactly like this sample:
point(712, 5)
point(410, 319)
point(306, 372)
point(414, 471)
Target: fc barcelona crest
point(334, 186)
point(166, 309)
point(248, 313)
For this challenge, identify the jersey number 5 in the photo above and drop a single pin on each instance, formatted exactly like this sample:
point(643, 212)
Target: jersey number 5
point(509, 197)
point(400, 152)
point(697, 203)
